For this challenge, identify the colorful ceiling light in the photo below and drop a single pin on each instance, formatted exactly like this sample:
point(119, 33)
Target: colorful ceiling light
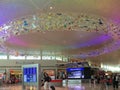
point(60, 21)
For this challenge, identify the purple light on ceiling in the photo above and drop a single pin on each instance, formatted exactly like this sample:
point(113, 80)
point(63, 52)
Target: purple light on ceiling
point(11, 10)
point(7, 11)
point(95, 41)
point(115, 17)
point(2, 33)
point(117, 21)
point(114, 46)
point(16, 41)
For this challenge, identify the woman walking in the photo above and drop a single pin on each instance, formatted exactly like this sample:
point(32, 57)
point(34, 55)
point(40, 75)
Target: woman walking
point(47, 79)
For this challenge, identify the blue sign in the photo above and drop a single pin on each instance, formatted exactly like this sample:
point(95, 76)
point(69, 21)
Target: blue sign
point(75, 69)
point(30, 74)
point(73, 73)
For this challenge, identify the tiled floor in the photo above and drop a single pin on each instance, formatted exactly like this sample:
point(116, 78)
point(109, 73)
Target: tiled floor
point(69, 87)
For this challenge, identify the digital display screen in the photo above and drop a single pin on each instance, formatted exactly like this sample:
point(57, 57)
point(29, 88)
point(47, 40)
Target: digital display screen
point(78, 73)
point(75, 72)
point(30, 74)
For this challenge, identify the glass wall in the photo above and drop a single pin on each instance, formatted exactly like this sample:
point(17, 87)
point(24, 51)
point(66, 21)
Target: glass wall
point(16, 57)
point(34, 55)
point(2, 56)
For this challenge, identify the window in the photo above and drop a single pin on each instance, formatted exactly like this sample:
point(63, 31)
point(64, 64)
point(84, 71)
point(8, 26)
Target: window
point(46, 57)
point(16, 57)
point(33, 57)
point(59, 58)
point(3, 56)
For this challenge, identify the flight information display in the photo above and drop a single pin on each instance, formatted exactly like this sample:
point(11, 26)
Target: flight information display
point(75, 73)
point(30, 74)
point(79, 73)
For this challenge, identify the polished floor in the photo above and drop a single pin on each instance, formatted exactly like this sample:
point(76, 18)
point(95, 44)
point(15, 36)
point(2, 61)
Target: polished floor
point(85, 86)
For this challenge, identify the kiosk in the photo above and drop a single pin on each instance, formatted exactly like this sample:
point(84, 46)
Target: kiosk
point(31, 77)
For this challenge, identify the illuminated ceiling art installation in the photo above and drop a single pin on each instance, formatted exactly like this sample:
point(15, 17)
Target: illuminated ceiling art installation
point(60, 21)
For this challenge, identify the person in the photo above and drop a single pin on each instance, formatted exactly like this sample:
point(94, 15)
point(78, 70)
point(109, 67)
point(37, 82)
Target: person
point(103, 83)
point(115, 81)
point(92, 80)
point(98, 79)
point(108, 81)
point(47, 79)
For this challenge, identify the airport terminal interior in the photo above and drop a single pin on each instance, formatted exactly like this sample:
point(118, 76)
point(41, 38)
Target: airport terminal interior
point(59, 44)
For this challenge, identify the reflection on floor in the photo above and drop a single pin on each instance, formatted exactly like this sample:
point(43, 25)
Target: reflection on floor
point(69, 87)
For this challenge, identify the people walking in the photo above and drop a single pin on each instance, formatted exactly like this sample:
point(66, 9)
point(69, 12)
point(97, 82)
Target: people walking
point(103, 83)
point(115, 81)
point(47, 79)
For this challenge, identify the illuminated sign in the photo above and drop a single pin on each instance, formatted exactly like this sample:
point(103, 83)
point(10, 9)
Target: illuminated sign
point(79, 73)
point(30, 74)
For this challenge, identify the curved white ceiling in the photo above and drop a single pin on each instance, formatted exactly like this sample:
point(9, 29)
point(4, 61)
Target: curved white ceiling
point(13, 9)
